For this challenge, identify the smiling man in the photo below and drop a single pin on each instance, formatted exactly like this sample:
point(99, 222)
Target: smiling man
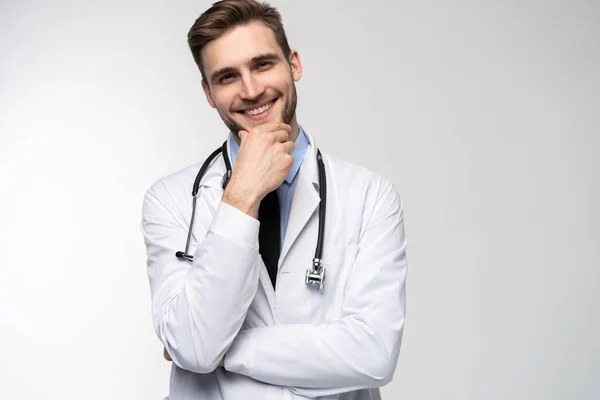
point(270, 96)
point(292, 283)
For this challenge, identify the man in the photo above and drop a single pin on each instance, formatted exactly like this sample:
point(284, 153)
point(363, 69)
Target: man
point(240, 321)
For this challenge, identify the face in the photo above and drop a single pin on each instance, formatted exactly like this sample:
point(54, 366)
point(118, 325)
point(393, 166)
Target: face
point(249, 79)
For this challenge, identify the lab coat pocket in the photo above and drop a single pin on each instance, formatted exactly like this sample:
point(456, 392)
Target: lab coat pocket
point(297, 303)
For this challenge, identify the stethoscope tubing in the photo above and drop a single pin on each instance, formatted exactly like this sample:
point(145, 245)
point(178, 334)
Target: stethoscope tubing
point(317, 261)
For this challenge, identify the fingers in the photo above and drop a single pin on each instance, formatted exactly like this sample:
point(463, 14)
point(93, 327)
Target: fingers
point(289, 147)
point(285, 127)
point(274, 126)
point(281, 136)
point(267, 127)
point(166, 355)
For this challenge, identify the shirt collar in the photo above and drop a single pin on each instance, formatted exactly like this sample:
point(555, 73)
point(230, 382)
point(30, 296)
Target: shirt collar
point(301, 146)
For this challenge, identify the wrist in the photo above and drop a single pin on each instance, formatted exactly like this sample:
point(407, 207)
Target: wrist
point(245, 202)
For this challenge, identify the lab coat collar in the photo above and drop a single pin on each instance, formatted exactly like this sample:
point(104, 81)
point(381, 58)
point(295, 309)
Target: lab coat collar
point(309, 165)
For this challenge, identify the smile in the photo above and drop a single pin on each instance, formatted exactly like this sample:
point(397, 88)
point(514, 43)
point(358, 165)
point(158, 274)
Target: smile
point(259, 110)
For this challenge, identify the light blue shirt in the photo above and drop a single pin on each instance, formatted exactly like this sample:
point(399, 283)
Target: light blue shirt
point(286, 190)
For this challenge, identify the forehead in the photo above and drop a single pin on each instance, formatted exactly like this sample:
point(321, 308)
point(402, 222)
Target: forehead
point(238, 46)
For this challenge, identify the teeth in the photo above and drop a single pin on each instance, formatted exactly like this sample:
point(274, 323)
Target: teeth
point(259, 110)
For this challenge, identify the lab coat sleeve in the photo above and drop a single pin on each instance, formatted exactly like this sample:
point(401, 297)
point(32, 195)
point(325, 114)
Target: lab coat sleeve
point(361, 349)
point(198, 308)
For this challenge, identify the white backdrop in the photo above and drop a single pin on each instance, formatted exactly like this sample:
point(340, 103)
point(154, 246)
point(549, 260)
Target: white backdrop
point(484, 114)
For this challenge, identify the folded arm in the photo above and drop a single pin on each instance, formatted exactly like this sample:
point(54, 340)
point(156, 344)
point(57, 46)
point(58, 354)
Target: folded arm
point(361, 349)
point(198, 308)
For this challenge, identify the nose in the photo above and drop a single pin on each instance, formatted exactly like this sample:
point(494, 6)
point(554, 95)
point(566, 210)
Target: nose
point(251, 88)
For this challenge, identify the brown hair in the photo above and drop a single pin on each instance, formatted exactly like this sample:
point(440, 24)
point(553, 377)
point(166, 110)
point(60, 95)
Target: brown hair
point(227, 14)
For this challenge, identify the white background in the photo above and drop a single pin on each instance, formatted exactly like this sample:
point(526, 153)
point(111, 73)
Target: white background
point(485, 115)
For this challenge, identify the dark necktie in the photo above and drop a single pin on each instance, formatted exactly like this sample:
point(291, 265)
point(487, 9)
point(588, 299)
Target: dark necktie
point(268, 233)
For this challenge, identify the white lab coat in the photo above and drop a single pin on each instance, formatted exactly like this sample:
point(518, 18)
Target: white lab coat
point(294, 342)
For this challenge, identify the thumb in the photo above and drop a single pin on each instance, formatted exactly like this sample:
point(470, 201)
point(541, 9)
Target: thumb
point(242, 134)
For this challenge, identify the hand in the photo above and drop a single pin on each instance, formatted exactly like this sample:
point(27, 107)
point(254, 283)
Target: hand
point(262, 163)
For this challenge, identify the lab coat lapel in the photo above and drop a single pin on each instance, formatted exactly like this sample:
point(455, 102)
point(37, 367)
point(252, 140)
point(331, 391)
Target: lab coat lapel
point(304, 203)
point(304, 200)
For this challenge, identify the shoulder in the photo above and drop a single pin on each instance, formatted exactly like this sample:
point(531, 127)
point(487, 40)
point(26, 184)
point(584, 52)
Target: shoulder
point(359, 197)
point(357, 178)
point(175, 183)
point(170, 195)
point(174, 191)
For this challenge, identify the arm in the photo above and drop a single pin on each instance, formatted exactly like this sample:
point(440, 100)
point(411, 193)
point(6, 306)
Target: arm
point(198, 308)
point(361, 349)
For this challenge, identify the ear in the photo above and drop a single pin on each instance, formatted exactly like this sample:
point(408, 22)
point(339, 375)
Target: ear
point(296, 65)
point(207, 94)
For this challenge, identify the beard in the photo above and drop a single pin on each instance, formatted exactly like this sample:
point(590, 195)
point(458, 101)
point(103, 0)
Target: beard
point(287, 114)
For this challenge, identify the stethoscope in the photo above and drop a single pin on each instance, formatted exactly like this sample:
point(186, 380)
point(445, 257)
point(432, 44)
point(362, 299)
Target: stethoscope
point(315, 276)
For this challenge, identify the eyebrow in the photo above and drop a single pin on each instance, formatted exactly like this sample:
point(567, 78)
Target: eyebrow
point(254, 60)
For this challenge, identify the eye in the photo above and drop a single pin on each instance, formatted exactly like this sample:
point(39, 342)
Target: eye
point(226, 78)
point(264, 64)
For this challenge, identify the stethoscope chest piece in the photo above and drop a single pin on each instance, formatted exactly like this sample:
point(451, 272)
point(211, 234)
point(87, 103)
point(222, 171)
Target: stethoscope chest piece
point(315, 276)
